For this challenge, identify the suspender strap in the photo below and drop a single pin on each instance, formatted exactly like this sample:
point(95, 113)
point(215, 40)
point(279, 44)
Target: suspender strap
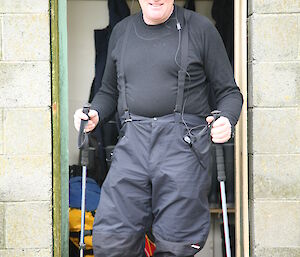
point(183, 63)
point(121, 76)
point(181, 73)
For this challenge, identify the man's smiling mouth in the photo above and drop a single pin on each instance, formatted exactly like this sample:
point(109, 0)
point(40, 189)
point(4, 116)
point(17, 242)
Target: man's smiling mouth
point(155, 4)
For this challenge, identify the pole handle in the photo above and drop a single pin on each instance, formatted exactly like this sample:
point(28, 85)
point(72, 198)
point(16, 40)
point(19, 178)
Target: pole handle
point(83, 139)
point(216, 114)
point(219, 152)
point(86, 108)
point(220, 163)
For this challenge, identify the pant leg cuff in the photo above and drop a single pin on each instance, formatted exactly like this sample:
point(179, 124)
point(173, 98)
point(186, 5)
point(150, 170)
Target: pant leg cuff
point(181, 249)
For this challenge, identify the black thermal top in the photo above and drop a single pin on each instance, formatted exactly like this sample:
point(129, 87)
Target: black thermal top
point(151, 69)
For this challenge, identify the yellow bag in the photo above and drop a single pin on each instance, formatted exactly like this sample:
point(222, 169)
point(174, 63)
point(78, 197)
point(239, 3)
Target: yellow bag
point(75, 227)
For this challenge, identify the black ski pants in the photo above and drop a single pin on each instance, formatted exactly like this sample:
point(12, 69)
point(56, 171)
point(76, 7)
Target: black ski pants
point(155, 182)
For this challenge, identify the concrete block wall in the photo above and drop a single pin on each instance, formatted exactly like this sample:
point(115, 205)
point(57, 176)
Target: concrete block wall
point(25, 129)
point(274, 121)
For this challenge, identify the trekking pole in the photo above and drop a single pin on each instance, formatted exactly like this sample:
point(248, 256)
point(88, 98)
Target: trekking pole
point(221, 179)
point(83, 145)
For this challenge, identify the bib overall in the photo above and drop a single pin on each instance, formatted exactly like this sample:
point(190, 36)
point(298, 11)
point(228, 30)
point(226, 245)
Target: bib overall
point(156, 181)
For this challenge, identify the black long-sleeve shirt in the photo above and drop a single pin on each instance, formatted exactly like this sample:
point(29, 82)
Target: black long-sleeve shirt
point(151, 70)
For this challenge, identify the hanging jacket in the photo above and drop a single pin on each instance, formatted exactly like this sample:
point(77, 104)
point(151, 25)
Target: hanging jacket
point(118, 10)
point(222, 13)
point(190, 5)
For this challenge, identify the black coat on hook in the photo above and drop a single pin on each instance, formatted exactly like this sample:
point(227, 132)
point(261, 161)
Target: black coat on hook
point(190, 4)
point(118, 10)
point(222, 12)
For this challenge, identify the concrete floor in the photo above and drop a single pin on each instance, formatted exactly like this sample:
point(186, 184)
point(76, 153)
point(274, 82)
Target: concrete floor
point(213, 246)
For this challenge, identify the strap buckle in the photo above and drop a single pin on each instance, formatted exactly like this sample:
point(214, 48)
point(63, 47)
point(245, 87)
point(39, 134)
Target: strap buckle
point(127, 116)
point(82, 246)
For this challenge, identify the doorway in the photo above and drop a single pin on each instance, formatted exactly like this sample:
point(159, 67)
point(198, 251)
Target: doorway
point(78, 85)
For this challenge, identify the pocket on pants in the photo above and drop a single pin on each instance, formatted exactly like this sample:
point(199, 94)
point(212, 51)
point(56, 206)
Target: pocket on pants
point(200, 143)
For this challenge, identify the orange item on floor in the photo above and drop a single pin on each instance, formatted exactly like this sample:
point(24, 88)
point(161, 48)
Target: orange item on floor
point(149, 247)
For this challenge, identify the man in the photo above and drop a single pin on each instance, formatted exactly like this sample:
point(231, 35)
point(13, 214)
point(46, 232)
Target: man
point(160, 67)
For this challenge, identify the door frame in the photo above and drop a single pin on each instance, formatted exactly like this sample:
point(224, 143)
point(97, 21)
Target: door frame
point(60, 127)
point(241, 147)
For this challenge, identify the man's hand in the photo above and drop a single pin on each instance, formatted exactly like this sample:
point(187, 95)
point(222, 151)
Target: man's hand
point(221, 129)
point(92, 123)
